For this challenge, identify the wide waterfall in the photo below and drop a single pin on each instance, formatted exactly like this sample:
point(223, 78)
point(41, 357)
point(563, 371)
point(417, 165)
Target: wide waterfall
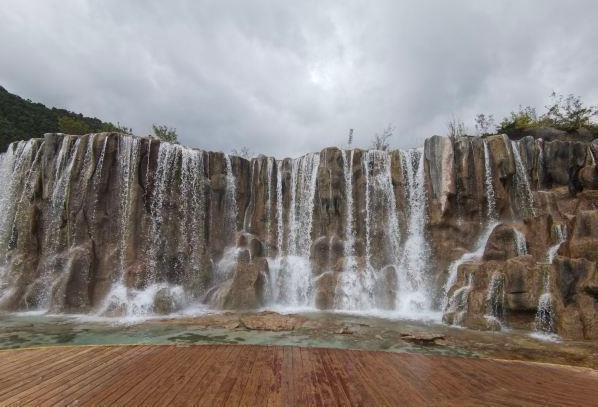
point(113, 225)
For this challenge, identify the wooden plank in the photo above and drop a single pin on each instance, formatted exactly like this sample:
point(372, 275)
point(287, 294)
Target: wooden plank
point(275, 376)
point(86, 383)
point(199, 360)
point(67, 379)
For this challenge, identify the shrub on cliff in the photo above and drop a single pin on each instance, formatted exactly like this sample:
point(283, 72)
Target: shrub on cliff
point(564, 113)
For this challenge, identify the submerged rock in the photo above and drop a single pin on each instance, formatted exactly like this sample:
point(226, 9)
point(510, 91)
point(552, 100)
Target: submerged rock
point(271, 321)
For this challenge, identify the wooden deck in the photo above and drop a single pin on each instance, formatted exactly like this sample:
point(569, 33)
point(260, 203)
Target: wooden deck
point(262, 375)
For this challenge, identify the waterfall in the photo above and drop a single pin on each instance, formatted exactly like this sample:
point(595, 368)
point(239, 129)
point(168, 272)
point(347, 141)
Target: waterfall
point(128, 161)
point(544, 320)
point(523, 189)
point(230, 200)
point(381, 212)
point(269, 168)
point(193, 219)
point(540, 169)
point(495, 298)
point(19, 167)
point(460, 300)
point(520, 243)
point(279, 210)
point(292, 273)
point(163, 179)
point(490, 195)
point(560, 231)
point(355, 287)
point(413, 295)
point(14, 163)
point(477, 254)
point(55, 240)
point(189, 220)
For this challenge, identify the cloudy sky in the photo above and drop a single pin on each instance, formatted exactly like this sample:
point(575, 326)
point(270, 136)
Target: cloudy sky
point(287, 77)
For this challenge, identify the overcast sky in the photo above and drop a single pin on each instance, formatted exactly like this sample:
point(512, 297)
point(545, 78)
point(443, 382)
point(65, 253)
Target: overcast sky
point(288, 77)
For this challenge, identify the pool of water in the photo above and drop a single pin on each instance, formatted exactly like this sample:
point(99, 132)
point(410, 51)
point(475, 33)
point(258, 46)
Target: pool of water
point(314, 329)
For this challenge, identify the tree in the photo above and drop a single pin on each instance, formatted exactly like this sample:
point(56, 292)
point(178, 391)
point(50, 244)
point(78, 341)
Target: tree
point(524, 118)
point(381, 140)
point(72, 125)
point(350, 141)
point(165, 133)
point(118, 128)
point(484, 124)
point(568, 113)
point(456, 127)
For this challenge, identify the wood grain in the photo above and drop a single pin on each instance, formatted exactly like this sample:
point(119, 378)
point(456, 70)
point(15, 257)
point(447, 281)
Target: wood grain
point(280, 376)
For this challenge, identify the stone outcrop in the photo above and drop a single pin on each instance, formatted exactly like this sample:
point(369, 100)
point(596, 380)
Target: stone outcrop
point(111, 224)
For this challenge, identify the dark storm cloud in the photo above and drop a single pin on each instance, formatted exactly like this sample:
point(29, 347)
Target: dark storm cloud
point(289, 77)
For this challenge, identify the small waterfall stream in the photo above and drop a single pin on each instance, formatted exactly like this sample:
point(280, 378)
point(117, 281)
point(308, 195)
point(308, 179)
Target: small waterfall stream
point(488, 182)
point(230, 199)
point(523, 189)
point(520, 242)
point(560, 231)
point(495, 298)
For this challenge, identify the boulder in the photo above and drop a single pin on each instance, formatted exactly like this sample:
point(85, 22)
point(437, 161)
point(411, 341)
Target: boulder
point(248, 283)
point(271, 321)
point(502, 244)
point(584, 239)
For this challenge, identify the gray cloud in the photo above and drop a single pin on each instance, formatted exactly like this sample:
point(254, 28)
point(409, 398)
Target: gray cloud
point(285, 78)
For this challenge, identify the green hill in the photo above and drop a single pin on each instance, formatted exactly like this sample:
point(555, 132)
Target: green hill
point(22, 119)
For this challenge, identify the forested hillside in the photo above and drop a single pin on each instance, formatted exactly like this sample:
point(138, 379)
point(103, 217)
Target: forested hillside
point(22, 119)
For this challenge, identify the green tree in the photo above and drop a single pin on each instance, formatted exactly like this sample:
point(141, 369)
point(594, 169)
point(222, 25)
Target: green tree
point(568, 113)
point(524, 118)
point(165, 133)
point(72, 125)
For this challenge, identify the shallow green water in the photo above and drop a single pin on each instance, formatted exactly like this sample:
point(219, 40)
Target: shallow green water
point(317, 330)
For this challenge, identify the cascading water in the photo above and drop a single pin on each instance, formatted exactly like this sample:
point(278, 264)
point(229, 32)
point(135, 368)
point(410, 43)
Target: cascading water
point(355, 286)
point(55, 240)
point(488, 182)
point(478, 252)
point(279, 210)
point(520, 243)
point(495, 298)
point(523, 190)
point(540, 168)
point(460, 300)
point(470, 256)
point(413, 294)
point(269, 170)
point(560, 232)
point(381, 212)
point(544, 321)
point(18, 168)
point(230, 199)
point(292, 270)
